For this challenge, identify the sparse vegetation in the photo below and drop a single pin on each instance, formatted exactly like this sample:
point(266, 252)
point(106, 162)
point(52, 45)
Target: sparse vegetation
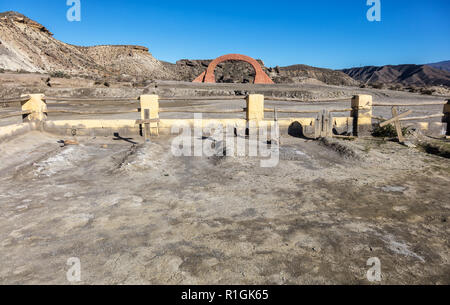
point(378, 86)
point(388, 131)
point(426, 91)
point(396, 87)
point(60, 74)
point(2, 70)
point(437, 148)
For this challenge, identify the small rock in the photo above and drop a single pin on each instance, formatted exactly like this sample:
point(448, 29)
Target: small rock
point(393, 189)
point(22, 208)
point(409, 145)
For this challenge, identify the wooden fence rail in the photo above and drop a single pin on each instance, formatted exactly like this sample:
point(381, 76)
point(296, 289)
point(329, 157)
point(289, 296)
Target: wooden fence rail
point(84, 100)
point(91, 112)
point(290, 111)
point(409, 104)
point(14, 100)
point(14, 114)
point(34, 107)
point(171, 110)
point(201, 98)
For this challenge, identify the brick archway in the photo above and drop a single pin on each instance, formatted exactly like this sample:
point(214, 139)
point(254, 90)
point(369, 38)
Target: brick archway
point(208, 76)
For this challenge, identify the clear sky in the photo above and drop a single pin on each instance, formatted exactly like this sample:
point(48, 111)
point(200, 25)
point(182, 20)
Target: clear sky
point(324, 33)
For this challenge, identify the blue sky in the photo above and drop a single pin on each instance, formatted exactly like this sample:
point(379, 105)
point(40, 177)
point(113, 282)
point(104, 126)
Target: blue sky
point(323, 33)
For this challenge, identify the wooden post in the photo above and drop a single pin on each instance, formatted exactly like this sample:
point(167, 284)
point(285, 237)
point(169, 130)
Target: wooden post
point(149, 115)
point(362, 115)
point(446, 118)
point(318, 126)
point(276, 126)
point(38, 107)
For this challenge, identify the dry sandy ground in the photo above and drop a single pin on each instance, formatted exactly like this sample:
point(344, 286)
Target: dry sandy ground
point(136, 214)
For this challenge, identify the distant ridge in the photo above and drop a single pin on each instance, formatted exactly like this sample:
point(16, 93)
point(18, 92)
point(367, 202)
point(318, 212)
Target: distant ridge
point(408, 75)
point(443, 65)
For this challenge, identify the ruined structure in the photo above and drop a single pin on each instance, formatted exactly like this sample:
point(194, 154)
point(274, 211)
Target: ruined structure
point(208, 76)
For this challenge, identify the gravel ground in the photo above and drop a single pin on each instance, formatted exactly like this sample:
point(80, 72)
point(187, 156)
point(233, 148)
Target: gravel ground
point(136, 214)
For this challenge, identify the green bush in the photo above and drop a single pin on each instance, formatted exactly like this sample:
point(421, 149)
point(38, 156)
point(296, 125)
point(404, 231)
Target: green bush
point(388, 131)
point(2, 70)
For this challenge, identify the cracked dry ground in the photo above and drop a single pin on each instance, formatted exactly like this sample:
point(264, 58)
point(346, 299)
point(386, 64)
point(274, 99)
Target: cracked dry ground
point(139, 215)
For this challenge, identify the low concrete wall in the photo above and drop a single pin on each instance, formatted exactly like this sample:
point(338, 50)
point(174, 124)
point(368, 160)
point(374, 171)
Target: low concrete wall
point(129, 127)
point(92, 127)
point(15, 130)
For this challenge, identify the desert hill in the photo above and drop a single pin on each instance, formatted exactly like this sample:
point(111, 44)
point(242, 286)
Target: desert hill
point(29, 46)
point(297, 73)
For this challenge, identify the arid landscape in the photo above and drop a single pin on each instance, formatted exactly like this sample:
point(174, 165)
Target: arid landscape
point(134, 213)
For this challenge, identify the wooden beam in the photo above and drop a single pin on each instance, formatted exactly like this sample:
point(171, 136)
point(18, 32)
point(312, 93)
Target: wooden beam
point(398, 125)
point(396, 118)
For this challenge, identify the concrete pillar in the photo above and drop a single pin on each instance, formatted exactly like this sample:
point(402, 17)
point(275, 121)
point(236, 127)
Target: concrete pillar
point(446, 118)
point(362, 115)
point(150, 107)
point(38, 107)
point(255, 107)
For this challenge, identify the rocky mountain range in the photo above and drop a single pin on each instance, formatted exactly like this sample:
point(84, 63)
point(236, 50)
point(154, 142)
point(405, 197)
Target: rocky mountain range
point(407, 75)
point(443, 65)
point(28, 46)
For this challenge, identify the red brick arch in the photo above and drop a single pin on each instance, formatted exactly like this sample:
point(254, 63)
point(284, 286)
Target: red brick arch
point(208, 76)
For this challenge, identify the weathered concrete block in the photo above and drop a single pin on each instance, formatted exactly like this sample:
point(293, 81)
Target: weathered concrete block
point(255, 107)
point(37, 105)
point(151, 103)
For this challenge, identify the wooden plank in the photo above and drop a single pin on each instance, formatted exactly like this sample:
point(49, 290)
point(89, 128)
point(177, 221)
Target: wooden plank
point(15, 100)
point(288, 99)
point(292, 111)
point(408, 105)
point(201, 98)
point(397, 124)
point(90, 112)
point(326, 131)
point(341, 110)
point(440, 115)
point(140, 122)
point(318, 126)
point(344, 137)
point(147, 125)
point(169, 110)
point(13, 114)
point(277, 126)
point(396, 118)
point(88, 99)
